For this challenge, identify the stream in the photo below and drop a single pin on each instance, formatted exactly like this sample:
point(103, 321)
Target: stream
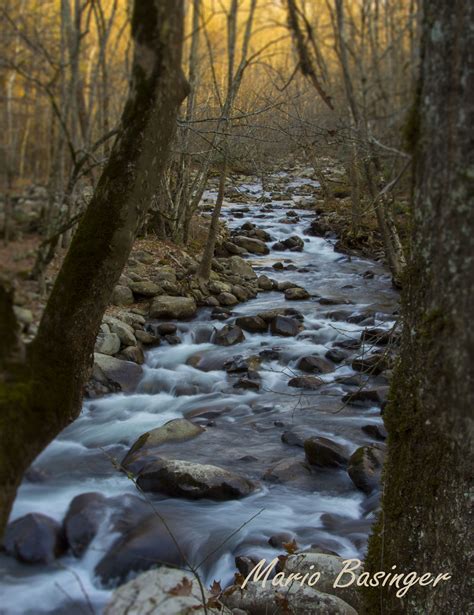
point(320, 508)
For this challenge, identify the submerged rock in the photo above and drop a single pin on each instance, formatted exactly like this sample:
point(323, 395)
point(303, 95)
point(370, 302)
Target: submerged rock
point(193, 480)
point(325, 453)
point(146, 545)
point(34, 539)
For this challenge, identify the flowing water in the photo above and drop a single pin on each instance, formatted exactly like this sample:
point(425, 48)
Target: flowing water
point(243, 428)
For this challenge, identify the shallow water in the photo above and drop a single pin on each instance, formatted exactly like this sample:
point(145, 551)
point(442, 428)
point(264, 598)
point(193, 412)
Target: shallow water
point(244, 434)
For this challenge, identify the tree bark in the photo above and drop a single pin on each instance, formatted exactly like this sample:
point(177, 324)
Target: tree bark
point(40, 396)
point(426, 517)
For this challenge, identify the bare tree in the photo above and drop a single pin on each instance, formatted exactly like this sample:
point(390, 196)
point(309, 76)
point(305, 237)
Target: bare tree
point(41, 388)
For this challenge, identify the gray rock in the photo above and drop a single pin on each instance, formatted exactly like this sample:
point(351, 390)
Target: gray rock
point(251, 244)
point(156, 592)
point(122, 295)
point(227, 299)
point(145, 288)
point(34, 539)
point(265, 283)
point(166, 306)
point(176, 430)
point(252, 324)
point(365, 467)
point(285, 326)
point(125, 374)
point(315, 365)
point(133, 353)
point(325, 453)
point(298, 600)
point(228, 336)
point(107, 342)
point(238, 266)
point(82, 520)
point(193, 480)
point(122, 329)
point(296, 294)
point(305, 382)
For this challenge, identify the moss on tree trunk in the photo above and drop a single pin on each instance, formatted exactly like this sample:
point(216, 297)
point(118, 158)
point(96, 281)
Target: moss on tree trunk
point(425, 521)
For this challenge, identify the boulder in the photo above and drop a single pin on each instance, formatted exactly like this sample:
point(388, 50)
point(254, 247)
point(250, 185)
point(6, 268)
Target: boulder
point(239, 364)
point(166, 328)
point(216, 287)
point(297, 600)
point(305, 382)
point(167, 306)
point(363, 396)
point(287, 470)
point(123, 330)
point(193, 480)
point(285, 326)
point(365, 467)
point(34, 539)
point(335, 355)
point(329, 566)
point(107, 342)
point(239, 267)
point(166, 591)
point(315, 365)
point(145, 545)
point(292, 438)
point(146, 338)
point(124, 374)
point(251, 244)
point(293, 243)
point(265, 283)
point(240, 292)
point(228, 336)
point(296, 294)
point(252, 324)
point(82, 520)
point(145, 288)
point(227, 299)
point(377, 432)
point(373, 364)
point(133, 353)
point(122, 295)
point(325, 453)
point(176, 430)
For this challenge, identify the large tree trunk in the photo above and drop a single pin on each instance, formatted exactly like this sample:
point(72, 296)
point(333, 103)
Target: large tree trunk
point(425, 519)
point(40, 396)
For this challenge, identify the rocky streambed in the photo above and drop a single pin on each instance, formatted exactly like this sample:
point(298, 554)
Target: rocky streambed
point(250, 427)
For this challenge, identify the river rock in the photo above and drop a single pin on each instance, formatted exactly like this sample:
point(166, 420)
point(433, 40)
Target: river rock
point(166, 591)
point(285, 326)
point(292, 438)
point(378, 432)
point(142, 547)
point(364, 396)
point(305, 382)
point(34, 539)
point(146, 338)
point(373, 364)
point(228, 336)
point(315, 365)
point(325, 453)
point(240, 364)
point(265, 283)
point(329, 566)
point(227, 299)
point(167, 306)
point(107, 342)
point(380, 337)
point(297, 600)
point(336, 355)
point(193, 480)
point(83, 518)
point(145, 288)
point(287, 470)
point(365, 467)
point(123, 330)
point(252, 324)
point(251, 244)
point(133, 353)
point(123, 374)
point(122, 295)
point(176, 430)
point(241, 268)
point(296, 294)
